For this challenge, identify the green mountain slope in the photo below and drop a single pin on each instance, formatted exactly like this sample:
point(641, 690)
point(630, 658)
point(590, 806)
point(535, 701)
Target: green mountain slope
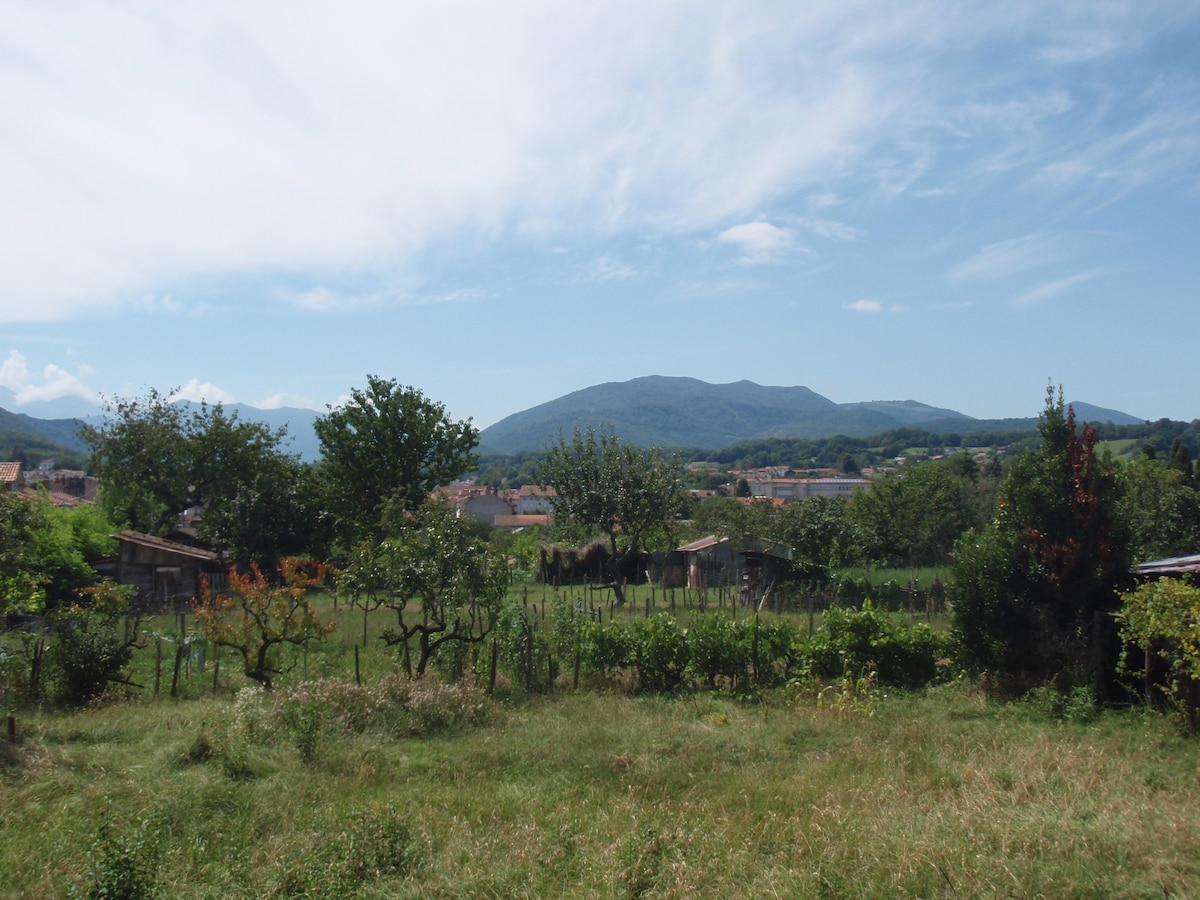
point(686, 412)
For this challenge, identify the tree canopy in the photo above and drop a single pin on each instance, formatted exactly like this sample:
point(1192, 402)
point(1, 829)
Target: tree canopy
point(388, 446)
point(1033, 591)
point(623, 491)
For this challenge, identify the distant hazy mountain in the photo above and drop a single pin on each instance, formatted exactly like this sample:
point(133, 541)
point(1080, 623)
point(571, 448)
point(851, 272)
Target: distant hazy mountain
point(1085, 412)
point(53, 422)
point(685, 412)
point(656, 410)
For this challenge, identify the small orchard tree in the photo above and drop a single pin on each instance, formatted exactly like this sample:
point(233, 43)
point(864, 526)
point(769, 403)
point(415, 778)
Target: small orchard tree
point(436, 576)
point(259, 616)
point(93, 640)
point(626, 492)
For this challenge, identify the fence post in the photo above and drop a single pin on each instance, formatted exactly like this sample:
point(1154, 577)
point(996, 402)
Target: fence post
point(157, 665)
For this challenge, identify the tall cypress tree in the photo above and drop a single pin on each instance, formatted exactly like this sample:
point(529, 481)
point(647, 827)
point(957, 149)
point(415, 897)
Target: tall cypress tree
point(1035, 589)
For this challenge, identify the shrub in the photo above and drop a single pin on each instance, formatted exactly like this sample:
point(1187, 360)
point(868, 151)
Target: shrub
point(1162, 620)
point(606, 648)
point(661, 652)
point(901, 654)
point(124, 864)
point(720, 649)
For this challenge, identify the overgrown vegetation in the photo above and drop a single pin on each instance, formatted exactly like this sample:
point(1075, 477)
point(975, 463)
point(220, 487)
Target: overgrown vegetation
point(466, 738)
point(800, 793)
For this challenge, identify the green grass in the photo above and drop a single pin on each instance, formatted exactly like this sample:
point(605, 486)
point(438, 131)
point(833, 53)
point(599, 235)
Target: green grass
point(939, 794)
point(1129, 448)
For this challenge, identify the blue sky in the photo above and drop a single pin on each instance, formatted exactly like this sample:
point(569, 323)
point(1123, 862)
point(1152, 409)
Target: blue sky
point(952, 202)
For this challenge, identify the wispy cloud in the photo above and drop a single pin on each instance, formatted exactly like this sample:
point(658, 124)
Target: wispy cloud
point(827, 228)
point(167, 305)
point(1009, 257)
point(609, 267)
point(1049, 289)
point(358, 137)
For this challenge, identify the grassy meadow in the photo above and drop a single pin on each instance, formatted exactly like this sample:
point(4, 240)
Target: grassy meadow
point(940, 794)
point(325, 789)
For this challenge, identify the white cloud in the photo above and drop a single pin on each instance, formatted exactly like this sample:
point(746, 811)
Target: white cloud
point(759, 242)
point(282, 399)
point(148, 144)
point(1049, 289)
point(866, 306)
point(207, 392)
point(54, 382)
point(325, 299)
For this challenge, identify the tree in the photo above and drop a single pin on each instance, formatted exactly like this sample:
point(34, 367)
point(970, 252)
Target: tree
point(1160, 510)
point(45, 552)
point(916, 515)
point(1180, 460)
point(140, 458)
point(277, 511)
point(626, 492)
point(1162, 620)
point(154, 459)
point(94, 640)
point(439, 579)
point(258, 616)
point(388, 445)
point(822, 534)
point(22, 579)
point(1034, 591)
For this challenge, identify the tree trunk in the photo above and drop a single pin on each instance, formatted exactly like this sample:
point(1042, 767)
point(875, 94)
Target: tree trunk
point(614, 569)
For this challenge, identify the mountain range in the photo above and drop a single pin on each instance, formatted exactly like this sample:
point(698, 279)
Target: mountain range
point(653, 410)
point(685, 412)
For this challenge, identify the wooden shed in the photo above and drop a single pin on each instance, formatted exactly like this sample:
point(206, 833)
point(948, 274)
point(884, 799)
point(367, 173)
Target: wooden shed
point(162, 572)
point(715, 561)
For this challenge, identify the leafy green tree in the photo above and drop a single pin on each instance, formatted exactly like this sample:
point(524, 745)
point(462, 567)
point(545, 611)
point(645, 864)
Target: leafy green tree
point(1160, 510)
point(628, 493)
point(438, 578)
point(155, 459)
point(140, 457)
point(22, 579)
point(916, 515)
point(277, 511)
point(822, 534)
point(1034, 590)
point(45, 552)
point(1180, 460)
point(388, 446)
point(1161, 619)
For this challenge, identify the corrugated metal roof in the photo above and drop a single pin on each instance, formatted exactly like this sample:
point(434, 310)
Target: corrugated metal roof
point(1175, 565)
point(703, 544)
